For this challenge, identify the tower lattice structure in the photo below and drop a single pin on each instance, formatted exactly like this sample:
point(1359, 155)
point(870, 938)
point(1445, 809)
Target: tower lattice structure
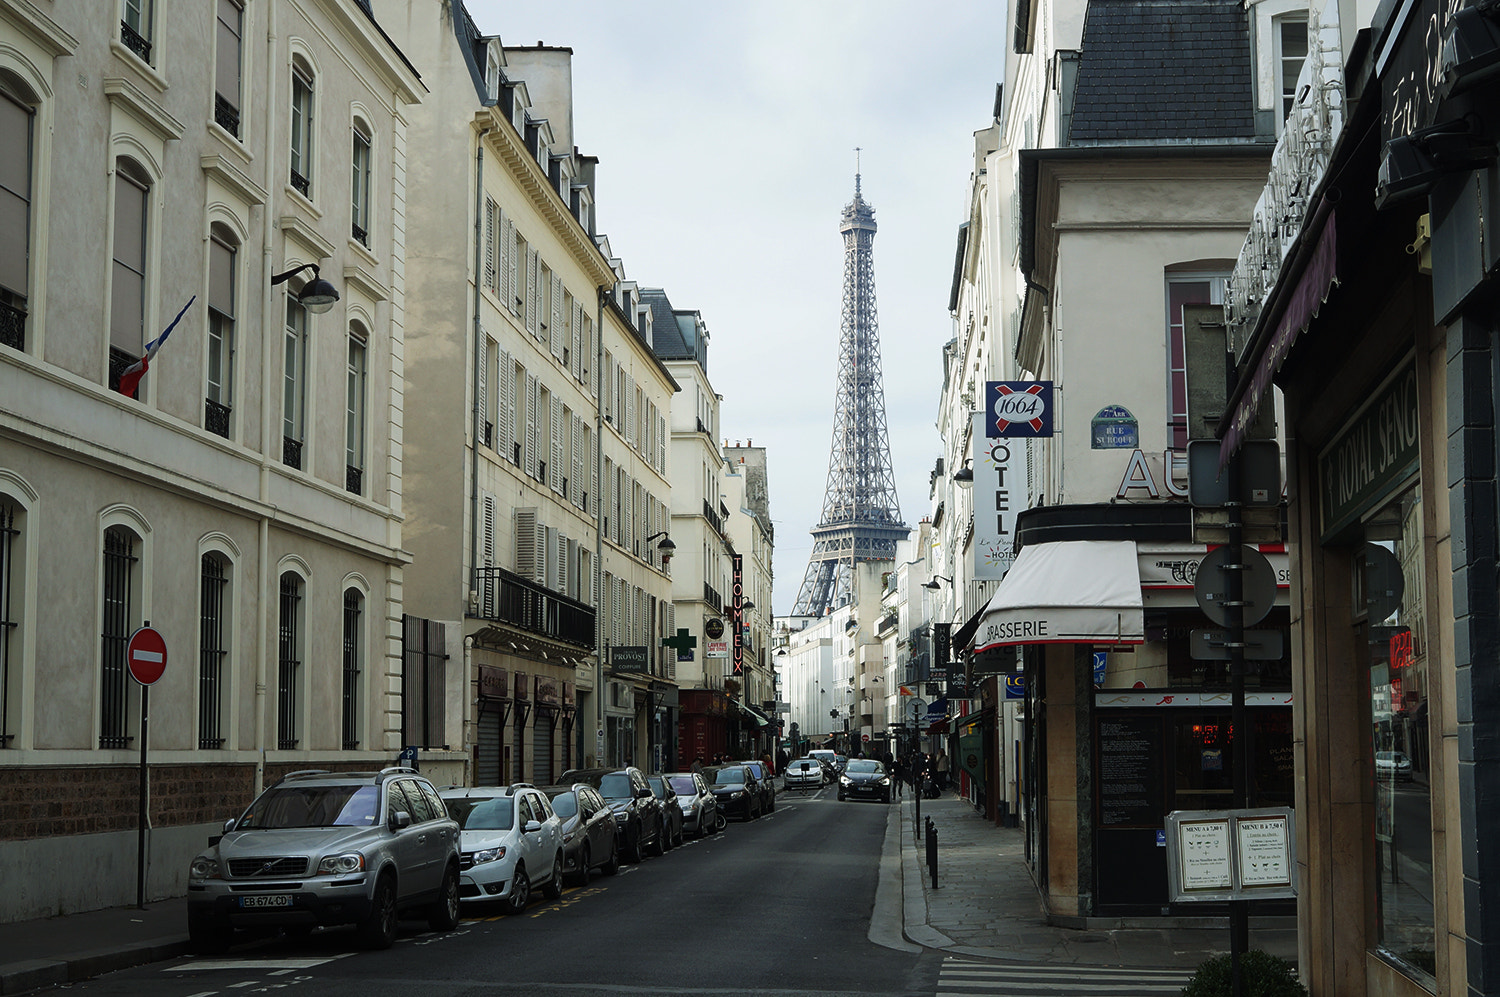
point(861, 518)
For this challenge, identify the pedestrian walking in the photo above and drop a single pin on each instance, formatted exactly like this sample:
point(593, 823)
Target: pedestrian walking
point(898, 774)
point(941, 766)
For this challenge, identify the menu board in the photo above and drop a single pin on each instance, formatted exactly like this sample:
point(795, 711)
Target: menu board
point(1261, 850)
point(1204, 847)
point(1129, 785)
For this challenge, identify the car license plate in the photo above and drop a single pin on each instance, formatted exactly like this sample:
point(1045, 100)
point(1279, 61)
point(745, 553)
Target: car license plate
point(268, 900)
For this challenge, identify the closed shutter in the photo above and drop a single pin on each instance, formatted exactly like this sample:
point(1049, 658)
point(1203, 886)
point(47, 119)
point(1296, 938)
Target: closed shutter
point(556, 467)
point(533, 317)
point(543, 733)
point(490, 241)
point(505, 407)
point(661, 443)
point(555, 329)
point(481, 390)
point(579, 364)
point(578, 475)
point(593, 473)
point(531, 552)
point(549, 557)
point(532, 401)
point(487, 582)
point(487, 753)
point(509, 264)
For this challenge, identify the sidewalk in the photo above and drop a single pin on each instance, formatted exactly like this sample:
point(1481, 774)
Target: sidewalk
point(987, 905)
point(78, 946)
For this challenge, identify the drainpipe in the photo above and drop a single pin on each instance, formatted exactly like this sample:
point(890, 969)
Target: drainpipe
point(479, 358)
point(263, 642)
point(599, 521)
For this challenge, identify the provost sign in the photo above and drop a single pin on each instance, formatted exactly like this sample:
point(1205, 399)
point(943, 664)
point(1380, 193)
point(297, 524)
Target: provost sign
point(1017, 408)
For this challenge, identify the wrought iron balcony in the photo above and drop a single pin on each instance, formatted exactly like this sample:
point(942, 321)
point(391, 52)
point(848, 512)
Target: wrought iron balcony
point(216, 417)
point(226, 115)
point(360, 235)
point(12, 325)
point(133, 41)
point(712, 597)
point(506, 597)
point(302, 183)
point(354, 479)
point(291, 452)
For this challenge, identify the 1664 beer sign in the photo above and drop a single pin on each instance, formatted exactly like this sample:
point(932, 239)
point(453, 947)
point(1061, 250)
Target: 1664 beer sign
point(1018, 408)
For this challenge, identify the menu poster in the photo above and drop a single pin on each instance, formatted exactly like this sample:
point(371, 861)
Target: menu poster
point(1129, 787)
point(1204, 847)
point(1262, 852)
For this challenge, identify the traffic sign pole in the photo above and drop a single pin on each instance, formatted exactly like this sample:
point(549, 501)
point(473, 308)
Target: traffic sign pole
point(140, 838)
point(146, 660)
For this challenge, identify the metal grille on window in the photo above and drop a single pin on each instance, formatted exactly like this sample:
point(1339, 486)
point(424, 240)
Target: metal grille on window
point(226, 115)
point(211, 653)
point(119, 561)
point(289, 663)
point(133, 41)
point(8, 534)
point(352, 612)
point(291, 452)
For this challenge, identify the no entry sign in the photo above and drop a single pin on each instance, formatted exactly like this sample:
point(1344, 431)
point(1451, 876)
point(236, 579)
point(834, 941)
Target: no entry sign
point(146, 655)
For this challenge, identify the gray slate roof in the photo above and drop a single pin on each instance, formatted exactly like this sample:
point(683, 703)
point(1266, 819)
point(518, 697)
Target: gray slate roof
point(1164, 70)
point(666, 338)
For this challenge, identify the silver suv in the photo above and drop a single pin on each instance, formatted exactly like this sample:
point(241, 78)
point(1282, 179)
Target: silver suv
point(325, 848)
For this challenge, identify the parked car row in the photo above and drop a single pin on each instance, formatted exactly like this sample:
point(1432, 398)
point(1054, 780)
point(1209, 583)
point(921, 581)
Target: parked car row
point(322, 848)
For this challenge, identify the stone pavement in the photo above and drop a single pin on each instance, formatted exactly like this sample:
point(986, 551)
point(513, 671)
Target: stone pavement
point(986, 904)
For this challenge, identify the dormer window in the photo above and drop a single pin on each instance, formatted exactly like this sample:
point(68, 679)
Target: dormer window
point(1291, 52)
point(492, 74)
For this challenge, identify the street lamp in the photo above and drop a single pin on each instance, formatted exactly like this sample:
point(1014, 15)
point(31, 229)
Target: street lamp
point(666, 546)
point(933, 584)
point(965, 475)
point(317, 295)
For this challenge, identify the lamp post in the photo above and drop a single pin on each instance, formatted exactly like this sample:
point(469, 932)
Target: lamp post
point(317, 295)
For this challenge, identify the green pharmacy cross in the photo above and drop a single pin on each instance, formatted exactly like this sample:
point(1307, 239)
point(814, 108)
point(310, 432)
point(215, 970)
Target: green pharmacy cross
point(684, 641)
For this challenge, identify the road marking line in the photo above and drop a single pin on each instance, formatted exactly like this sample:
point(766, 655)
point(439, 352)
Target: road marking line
point(197, 965)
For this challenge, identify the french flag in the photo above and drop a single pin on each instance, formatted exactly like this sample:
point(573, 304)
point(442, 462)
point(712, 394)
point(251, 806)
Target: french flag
point(131, 376)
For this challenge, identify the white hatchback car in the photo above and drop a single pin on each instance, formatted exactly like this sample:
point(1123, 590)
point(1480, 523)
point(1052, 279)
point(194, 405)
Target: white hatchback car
point(509, 843)
point(803, 773)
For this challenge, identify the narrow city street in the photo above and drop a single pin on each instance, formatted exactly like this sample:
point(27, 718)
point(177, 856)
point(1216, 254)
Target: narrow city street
point(780, 905)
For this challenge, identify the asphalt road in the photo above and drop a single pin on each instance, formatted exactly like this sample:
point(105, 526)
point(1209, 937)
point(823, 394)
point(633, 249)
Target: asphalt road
point(779, 906)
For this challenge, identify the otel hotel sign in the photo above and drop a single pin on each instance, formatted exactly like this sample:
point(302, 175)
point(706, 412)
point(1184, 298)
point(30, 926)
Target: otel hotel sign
point(1015, 412)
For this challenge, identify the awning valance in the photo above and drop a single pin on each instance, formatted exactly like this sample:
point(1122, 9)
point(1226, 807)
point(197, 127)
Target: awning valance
point(1070, 592)
point(759, 718)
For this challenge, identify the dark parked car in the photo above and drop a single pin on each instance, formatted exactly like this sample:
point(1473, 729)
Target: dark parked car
point(700, 809)
point(639, 825)
point(767, 785)
point(588, 831)
point(865, 779)
point(670, 811)
point(736, 790)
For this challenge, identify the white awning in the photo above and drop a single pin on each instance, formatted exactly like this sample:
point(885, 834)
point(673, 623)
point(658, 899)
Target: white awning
point(1071, 592)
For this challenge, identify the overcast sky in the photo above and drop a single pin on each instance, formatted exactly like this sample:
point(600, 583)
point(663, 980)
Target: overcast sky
point(725, 136)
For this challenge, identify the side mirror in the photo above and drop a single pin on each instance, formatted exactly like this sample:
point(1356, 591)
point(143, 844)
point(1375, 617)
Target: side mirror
point(533, 825)
point(229, 825)
point(399, 820)
point(643, 794)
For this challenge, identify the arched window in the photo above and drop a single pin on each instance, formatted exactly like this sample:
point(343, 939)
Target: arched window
point(213, 648)
point(360, 184)
point(17, 156)
point(223, 255)
point(354, 409)
point(302, 127)
point(289, 652)
point(121, 571)
point(127, 310)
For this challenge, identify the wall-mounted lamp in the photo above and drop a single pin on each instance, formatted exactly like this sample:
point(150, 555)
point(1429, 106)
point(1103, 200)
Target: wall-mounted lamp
point(317, 295)
point(965, 475)
point(746, 605)
point(934, 583)
point(666, 542)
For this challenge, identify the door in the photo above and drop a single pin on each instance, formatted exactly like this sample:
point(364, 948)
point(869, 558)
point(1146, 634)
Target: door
point(409, 844)
point(543, 733)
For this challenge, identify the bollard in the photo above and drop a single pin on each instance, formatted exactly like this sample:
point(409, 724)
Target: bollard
point(932, 851)
point(916, 821)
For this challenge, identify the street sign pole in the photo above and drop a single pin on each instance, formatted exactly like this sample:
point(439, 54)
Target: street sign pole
point(140, 838)
point(146, 660)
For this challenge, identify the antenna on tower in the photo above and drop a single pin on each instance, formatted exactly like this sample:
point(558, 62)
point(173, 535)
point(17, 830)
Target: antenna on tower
point(856, 171)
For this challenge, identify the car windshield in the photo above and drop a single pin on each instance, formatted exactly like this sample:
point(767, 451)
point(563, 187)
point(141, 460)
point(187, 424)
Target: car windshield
point(616, 786)
point(755, 767)
point(729, 777)
point(805, 765)
point(863, 765)
point(683, 786)
point(658, 786)
point(482, 813)
point(565, 805)
point(313, 806)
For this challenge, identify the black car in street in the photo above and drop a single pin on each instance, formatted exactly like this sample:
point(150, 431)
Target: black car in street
point(588, 831)
point(767, 785)
point(639, 825)
point(736, 790)
point(865, 779)
point(670, 809)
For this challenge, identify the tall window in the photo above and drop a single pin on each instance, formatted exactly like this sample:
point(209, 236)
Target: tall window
point(118, 615)
point(17, 127)
point(10, 606)
point(219, 397)
point(360, 186)
point(353, 653)
point(135, 26)
point(289, 662)
point(302, 129)
point(127, 307)
point(227, 65)
point(212, 650)
point(1182, 291)
point(1291, 52)
point(294, 383)
point(354, 411)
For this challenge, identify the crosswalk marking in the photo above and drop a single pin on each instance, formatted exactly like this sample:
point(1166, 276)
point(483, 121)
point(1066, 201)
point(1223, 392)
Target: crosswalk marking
point(969, 978)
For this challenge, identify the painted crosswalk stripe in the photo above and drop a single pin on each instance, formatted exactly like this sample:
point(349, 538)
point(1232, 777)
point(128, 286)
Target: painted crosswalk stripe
point(967, 978)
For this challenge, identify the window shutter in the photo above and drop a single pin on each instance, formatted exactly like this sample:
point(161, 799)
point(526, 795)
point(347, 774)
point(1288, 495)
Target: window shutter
point(481, 388)
point(487, 550)
point(549, 557)
point(509, 291)
point(505, 406)
point(590, 356)
point(526, 544)
point(594, 477)
point(531, 416)
point(630, 407)
point(579, 364)
point(555, 329)
point(578, 475)
point(619, 610)
point(533, 326)
point(490, 211)
point(555, 467)
point(661, 443)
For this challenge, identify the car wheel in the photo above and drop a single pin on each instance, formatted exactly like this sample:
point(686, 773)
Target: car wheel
point(443, 914)
point(772, 808)
point(207, 935)
point(841, 797)
point(612, 867)
point(720, 822)
point(553, 889)
point(378, 929)
point(681, 838)
point(585, 866)
point(520, 892)
point(659, 848)
point(633, 848)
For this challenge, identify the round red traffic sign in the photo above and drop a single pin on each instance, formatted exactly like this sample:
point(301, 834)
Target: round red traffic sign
point(146, 655)
point(867, 737)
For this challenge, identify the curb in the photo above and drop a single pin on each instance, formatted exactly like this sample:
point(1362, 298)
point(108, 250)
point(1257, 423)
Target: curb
point(20, 977)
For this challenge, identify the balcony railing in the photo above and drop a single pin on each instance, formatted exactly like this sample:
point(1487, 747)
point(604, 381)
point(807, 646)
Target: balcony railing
point(302, 183)
point(361, 236)
point(226, 115)
point(291, 452)
point(12, 326)
point(216, 417)
point(712, 597)
point(135, 42)
point(713, 518)
point(354, 479)
point(506, 597)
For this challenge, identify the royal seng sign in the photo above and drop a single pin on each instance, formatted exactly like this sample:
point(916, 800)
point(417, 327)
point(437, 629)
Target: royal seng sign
point(1375, 452)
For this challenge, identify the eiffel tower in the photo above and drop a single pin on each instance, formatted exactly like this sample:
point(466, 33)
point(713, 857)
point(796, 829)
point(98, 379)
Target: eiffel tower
point(861, 519)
